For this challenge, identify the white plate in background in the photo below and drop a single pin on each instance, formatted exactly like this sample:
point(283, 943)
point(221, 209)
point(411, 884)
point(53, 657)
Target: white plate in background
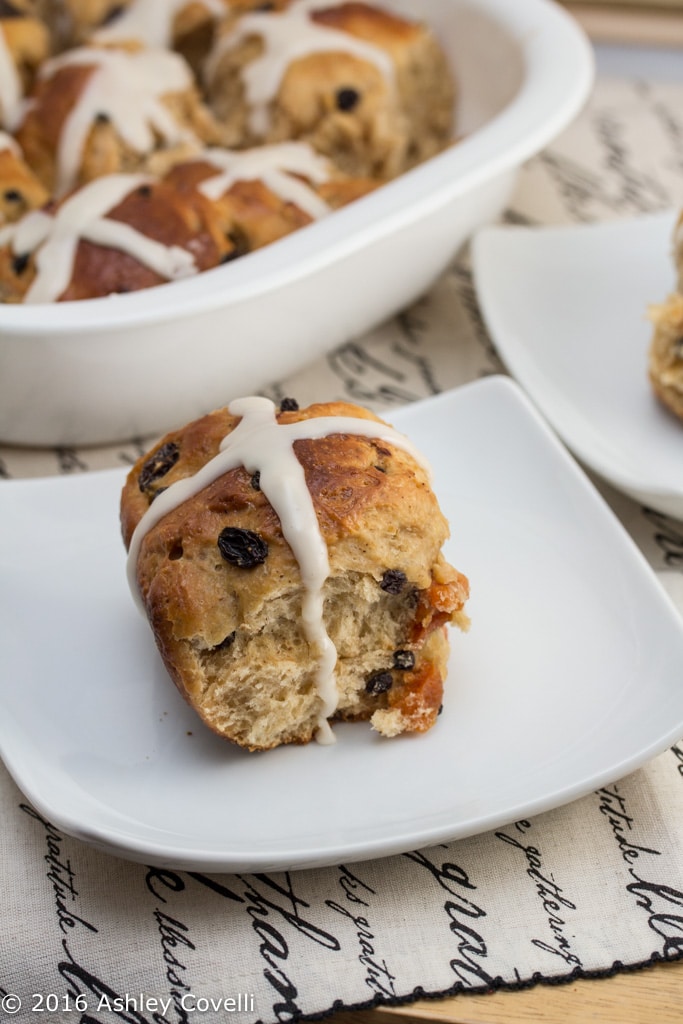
point(567, 310)
point(568, 679)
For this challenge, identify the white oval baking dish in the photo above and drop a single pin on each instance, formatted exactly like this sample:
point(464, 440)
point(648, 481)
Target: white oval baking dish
point(104, 370)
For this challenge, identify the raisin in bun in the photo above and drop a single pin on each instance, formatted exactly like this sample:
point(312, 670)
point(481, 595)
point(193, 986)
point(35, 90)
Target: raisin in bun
point(250, 624)
point(365, 87)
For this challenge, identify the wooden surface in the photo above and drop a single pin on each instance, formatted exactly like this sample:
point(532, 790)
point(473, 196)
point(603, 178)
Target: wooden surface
point(641, 6)
point(604, 24)
point(652, 995)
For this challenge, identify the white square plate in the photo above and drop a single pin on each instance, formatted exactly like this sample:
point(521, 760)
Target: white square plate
point(567, 310)
point(569, 677)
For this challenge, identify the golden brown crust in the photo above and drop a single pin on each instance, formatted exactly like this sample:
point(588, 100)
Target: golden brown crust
point(159, 211)
point(40, 130)
point(252, 214)
point(231, 637)
point(162, 214)
point(370, 23)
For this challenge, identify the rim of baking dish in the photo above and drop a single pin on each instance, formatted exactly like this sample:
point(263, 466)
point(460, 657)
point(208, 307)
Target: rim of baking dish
point(558, 75)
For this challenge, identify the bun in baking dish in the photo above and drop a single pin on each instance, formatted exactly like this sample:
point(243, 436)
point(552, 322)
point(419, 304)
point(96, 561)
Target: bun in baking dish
point(290, 566)
point(126, 232)
point(665, 363)
point(665, 356)
point(370, 90)
point(129, 105)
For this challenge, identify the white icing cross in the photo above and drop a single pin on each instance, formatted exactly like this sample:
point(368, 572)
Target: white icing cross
point(11, 90)
point(275, 167)
point(261, 444)
point(128, 89)
point(83, 216)
point(151, 21)
point(288, 35)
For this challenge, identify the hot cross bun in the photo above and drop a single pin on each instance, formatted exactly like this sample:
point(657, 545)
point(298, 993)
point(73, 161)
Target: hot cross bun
point(289, 562)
